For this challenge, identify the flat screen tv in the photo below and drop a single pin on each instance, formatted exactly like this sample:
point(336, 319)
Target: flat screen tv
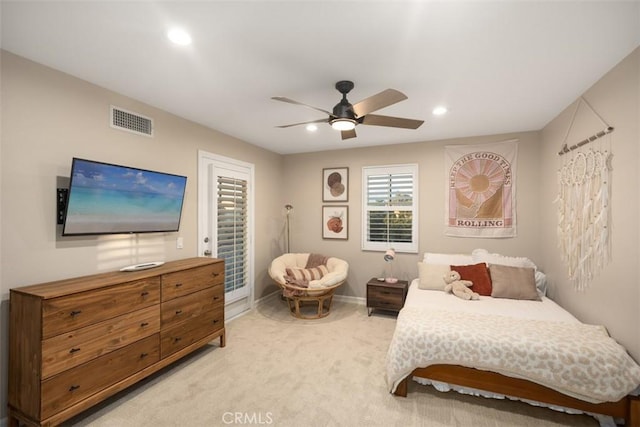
point(105, 198)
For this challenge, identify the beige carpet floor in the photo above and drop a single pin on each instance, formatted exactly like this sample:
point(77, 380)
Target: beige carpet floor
point(280, 371)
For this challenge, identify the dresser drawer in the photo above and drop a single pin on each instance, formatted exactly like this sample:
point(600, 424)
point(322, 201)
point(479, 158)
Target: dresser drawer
point(75, 311)
point(187, 333)
point(63, 390)
point(185, 282)
point(70, 349)
point(193, 305)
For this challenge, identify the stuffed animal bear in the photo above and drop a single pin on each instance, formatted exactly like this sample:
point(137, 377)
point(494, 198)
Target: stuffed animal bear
point(459, 288)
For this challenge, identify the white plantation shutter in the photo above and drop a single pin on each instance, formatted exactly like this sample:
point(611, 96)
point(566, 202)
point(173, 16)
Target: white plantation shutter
point(232, 231)
point(390, 208)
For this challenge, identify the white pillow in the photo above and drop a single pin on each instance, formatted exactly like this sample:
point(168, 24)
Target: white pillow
point(541, 283)
point(431, 276)
point(448, 259)
point(482, 255)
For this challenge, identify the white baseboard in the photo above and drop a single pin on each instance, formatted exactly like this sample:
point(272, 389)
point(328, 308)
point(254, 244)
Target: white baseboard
point(342, 298)
point(277, 293)
point(352, 300)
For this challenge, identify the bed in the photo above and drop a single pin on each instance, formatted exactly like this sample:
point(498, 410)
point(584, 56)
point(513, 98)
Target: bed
point(526, 348)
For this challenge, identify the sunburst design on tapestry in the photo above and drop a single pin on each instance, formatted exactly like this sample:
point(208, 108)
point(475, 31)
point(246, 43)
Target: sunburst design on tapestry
point(478, 185)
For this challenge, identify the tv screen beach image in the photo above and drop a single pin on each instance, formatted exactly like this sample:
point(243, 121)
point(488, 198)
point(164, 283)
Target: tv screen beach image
point(105, 198)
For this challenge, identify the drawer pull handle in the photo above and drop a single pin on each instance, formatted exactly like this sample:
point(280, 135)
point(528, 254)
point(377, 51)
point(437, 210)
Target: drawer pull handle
point(386, 292)
point(144, 294)
point(143, 355)
point(177, 339)
point(214, 274)
point(215, 298)
point(74, 387)
point(73, 350)
point(178, 311)
point(143, 324)
point(74, 313)
point(215, 321)
point(178, 285)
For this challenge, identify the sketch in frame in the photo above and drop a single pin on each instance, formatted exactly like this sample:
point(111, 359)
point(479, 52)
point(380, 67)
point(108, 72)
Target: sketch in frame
point(335, 184)
point(335, 222)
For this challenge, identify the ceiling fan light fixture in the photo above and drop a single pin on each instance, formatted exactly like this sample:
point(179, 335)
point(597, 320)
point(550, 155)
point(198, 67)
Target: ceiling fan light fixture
point(343, 124)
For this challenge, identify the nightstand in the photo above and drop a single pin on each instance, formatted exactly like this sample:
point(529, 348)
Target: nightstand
point(386, 296)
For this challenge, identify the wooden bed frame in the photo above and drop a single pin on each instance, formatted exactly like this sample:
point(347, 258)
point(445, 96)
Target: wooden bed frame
point(627, 408)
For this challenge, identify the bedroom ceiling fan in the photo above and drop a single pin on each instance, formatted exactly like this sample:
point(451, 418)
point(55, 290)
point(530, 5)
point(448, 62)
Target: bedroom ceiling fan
point(346, 116)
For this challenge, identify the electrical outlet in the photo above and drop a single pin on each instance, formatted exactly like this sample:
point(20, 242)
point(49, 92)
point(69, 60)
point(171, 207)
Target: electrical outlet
point(179, 243)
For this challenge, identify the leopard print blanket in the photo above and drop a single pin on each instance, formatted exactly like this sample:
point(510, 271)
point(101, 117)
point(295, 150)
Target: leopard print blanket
point(576, 359)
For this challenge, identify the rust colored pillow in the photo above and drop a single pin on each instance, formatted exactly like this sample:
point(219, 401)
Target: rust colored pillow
point(478, 274)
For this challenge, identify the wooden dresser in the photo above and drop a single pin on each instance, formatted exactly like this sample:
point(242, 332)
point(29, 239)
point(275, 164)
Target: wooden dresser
point(75, 342)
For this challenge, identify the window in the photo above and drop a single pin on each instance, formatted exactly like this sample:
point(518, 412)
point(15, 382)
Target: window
point(390, 208)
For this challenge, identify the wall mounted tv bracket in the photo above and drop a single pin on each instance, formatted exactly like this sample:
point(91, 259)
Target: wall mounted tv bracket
point(62, 195)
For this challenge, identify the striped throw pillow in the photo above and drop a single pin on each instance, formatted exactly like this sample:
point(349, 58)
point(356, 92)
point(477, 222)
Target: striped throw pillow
point(305, 275)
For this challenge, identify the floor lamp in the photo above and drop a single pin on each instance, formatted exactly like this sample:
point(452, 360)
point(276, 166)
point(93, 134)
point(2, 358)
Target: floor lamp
point(289, 208)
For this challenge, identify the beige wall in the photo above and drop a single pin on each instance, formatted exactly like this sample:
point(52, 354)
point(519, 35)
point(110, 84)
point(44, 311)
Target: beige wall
point(303, 177)
point(49, 117)
point(614, 297)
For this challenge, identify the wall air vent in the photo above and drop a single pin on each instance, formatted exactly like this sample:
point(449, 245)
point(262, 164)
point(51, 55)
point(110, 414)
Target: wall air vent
point(131, 122)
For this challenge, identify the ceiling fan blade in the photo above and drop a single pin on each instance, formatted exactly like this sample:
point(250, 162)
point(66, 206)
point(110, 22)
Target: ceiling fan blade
point(291, 101)
point(395, 122)
point(304, 123)
point(346, 134)
point(378, 101)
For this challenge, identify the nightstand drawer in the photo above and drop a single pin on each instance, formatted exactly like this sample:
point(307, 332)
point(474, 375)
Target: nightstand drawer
point(386, 296)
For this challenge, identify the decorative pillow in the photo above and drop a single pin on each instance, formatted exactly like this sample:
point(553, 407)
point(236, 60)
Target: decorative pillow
point(431, 276)
point(302, 276)
point(541, 283)
point(448, 259)
point(513, 282)
point(478, 274)
point(482, 255)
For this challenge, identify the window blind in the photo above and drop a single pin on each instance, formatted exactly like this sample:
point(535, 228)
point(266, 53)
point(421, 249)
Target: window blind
point(232, 230)
point(390, 208)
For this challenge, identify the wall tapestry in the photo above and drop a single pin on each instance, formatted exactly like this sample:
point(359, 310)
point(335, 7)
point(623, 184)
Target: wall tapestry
point(584, 186)
point(481, 192)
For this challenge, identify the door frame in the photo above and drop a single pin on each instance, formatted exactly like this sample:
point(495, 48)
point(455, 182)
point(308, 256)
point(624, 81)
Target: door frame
point(205, 221)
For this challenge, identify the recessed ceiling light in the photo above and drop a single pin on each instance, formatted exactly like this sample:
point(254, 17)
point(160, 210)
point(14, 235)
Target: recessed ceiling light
point(312, 127)
point(179, 36)
point(438, 111)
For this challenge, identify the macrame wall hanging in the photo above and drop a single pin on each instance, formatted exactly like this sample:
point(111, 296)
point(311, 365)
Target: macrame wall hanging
point(584, 189)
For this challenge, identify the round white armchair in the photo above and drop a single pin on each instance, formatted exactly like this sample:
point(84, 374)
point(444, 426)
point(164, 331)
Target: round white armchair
point(321, 278)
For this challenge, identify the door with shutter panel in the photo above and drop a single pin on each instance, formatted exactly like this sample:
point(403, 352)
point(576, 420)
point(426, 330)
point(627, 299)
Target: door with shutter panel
point(226, 225)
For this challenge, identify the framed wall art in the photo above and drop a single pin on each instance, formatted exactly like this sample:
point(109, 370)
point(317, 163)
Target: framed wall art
point(335, 222)
point(335, 184)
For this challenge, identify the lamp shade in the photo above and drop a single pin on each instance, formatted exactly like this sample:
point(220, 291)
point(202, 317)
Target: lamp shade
point(389, 255)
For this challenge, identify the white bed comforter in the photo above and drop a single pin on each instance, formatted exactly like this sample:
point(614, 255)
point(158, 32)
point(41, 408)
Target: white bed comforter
point(573, 358)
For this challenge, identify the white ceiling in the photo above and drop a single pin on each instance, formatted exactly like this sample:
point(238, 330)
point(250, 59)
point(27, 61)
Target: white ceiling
point(499, 66)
